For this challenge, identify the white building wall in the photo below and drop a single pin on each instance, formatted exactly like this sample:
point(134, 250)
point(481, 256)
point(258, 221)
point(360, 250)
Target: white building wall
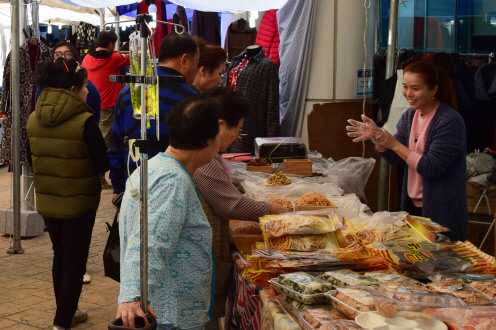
point(338, 51)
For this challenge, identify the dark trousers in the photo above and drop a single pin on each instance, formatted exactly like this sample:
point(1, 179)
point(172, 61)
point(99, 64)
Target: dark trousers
point(71, 240)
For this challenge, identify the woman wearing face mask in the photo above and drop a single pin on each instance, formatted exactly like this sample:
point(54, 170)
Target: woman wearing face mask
point(221, 200)
point(210, 66)
point(431, 140)
point(68, 152)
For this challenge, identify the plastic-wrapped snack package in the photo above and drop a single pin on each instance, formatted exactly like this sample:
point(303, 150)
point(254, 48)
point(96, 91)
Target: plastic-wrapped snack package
point(477, 317)
point(302, 242)
point(345, 277)
point(488, 287)
point(470, 295)
point(405, 286)
point(273, 315)
point(420, 260)
point(464, 278)
point(300, 223)
point(302, 287)
point(385, 277)
point(352, 301)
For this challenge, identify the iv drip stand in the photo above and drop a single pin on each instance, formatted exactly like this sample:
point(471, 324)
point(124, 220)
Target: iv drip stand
point(143, 20)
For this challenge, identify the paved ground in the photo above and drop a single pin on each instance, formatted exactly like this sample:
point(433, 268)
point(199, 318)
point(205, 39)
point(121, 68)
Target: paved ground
point(26, 295)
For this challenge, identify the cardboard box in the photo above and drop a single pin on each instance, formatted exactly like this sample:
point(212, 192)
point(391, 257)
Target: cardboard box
point(264, 169)
point(473, 195)
point(298, 166)
point(244, 242)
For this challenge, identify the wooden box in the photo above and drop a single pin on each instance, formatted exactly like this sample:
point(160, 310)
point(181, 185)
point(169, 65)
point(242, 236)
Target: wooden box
point(244, 242)
point(298, 166)
point(264, 169)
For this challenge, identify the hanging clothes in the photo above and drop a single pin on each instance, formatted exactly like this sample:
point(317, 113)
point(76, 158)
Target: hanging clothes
point(32, 53)
point(268, 35)
point(207, 26)
point(239, 36)
point(254, 76)
point(86, 35)
point(161, 29)
point(181, 18)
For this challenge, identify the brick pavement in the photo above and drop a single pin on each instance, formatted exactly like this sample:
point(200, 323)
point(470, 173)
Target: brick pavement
point(26, 294)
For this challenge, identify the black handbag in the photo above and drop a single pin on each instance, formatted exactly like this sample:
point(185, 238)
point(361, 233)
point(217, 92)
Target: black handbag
point(112, 252)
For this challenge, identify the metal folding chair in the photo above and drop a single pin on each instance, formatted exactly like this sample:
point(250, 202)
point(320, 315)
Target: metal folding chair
point(490, 181)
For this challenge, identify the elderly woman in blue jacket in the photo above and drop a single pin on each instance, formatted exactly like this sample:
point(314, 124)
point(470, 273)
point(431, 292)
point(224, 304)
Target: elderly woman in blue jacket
point(431, 141)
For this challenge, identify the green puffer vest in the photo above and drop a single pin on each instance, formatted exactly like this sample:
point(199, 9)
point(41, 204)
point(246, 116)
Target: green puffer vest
point(65, 181)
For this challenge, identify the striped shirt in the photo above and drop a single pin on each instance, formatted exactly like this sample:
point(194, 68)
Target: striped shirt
point(226, 201)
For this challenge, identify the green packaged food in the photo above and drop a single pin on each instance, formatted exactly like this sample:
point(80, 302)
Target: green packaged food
point(345, 277)
point(302, 287)
point(384, 277)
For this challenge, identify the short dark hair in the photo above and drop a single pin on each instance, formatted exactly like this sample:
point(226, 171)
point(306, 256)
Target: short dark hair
point(176, 45)
point(233, 107)
point(75, 52)
point(192, 122)
point(61, 73)
point(211, 56)
point(105, 38)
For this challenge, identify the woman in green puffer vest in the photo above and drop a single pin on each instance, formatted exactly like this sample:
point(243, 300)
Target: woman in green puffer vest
point(68, 152)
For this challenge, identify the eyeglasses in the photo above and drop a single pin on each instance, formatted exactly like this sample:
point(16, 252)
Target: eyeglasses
point(67, 54)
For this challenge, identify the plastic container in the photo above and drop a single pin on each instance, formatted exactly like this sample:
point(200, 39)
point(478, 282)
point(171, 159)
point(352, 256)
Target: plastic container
point(344, 325)
point(352, 301)
point(469, 294)
point(276, 149)
point(465, 278)
point(388, 303)
point(404, 286)
point(308, 299)
point(384, 277)
point(345, 277)
point(377, 322)
point(487, 287)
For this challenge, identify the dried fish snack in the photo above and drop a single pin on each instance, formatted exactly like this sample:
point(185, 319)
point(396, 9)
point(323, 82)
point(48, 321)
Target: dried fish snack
point(345, 277)
point(282, 202)
point(246, 228)
point(279, 179)
point(487, 287)
point(406, 286)
point(303, 243)
point(385, 277)
point(314, 199)
point(299, 223)
point(470, 295)
point(352, 301)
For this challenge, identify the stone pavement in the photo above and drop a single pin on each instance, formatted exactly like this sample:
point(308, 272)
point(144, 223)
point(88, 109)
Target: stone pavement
point(26, 294)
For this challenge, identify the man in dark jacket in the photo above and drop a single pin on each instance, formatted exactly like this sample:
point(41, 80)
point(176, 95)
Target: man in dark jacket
point(178, 56)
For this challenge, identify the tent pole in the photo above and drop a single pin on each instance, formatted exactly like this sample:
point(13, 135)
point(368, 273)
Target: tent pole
point(384, 167)
point(118, 32)
point(16, 128)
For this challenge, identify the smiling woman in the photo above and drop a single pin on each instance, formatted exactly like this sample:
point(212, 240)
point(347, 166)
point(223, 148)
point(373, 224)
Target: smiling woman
point(431, 140)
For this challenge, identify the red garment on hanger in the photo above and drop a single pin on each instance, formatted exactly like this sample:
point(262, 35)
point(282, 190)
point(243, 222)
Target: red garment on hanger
point(161, 29)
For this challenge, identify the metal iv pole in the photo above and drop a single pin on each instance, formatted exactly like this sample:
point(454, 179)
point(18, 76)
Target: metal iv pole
point(142, 20)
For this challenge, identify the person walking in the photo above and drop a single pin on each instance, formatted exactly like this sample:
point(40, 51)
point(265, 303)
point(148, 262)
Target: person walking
point(68, 152)
point(100, 65)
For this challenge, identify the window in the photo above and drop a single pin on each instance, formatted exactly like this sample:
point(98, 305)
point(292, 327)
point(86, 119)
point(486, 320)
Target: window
point(464, 26)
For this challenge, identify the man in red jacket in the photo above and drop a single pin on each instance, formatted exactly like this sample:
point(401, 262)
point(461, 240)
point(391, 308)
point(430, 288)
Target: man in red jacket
point(100, 64)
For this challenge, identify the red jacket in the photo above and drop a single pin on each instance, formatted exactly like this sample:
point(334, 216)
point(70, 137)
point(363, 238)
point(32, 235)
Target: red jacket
point(100, 65)
point(268, 35)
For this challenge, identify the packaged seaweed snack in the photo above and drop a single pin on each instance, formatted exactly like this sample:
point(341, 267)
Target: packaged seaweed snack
point(385, 277)
point(345, 277)
point(300, 223)
point(302, 287)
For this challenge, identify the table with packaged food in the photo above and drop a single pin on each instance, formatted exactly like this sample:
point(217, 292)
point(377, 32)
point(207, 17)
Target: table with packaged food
point(330, 263)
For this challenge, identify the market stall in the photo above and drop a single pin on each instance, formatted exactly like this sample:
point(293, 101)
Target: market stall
point(331, 263)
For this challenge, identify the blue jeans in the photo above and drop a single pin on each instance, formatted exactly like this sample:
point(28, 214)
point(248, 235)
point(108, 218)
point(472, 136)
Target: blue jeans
point(71, 240)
